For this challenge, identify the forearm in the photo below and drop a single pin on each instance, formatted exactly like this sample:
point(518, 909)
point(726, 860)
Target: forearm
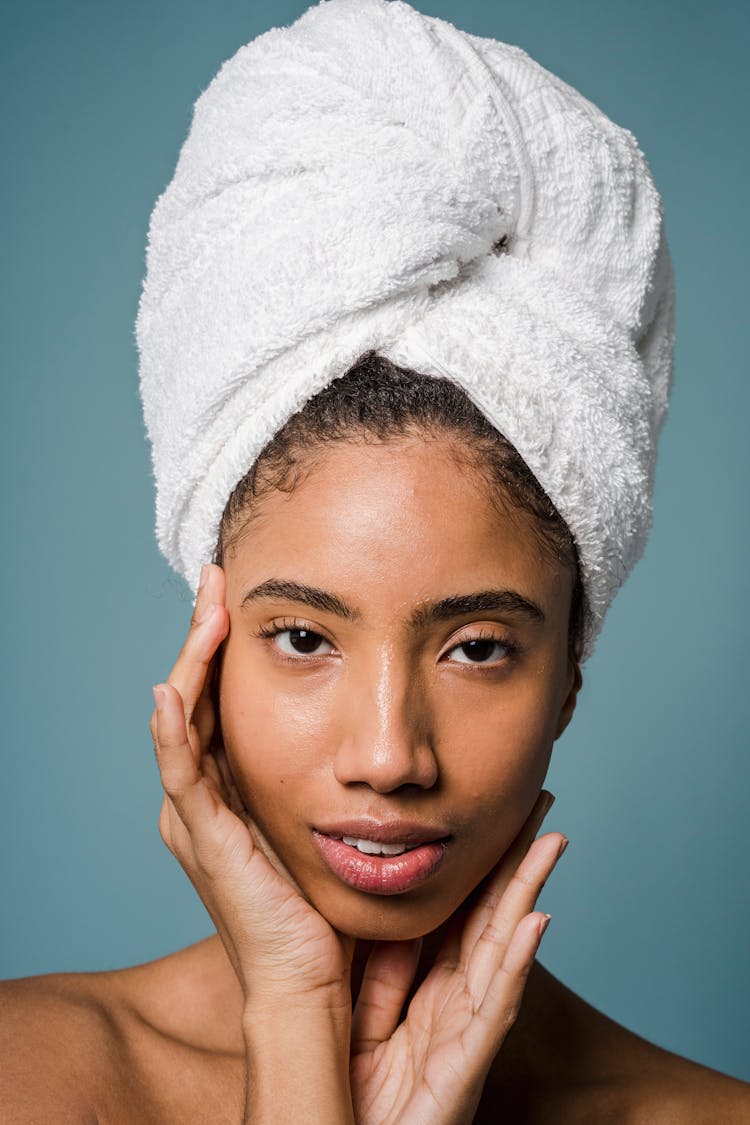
point(297, 1065)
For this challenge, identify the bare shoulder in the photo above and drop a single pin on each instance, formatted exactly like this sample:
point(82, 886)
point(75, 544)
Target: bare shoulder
point(661, 1087)
point(146, 1043)
point(679, 1091)
point(57, 1041)
point(566, 1061)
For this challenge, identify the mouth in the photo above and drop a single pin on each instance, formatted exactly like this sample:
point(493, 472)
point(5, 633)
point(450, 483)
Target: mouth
point(382, 858)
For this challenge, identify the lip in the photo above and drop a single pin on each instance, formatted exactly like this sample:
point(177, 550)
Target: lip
point(384, 831)
point(382, 875)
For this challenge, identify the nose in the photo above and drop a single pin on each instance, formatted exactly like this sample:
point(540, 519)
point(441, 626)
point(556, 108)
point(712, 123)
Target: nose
point(386, 742)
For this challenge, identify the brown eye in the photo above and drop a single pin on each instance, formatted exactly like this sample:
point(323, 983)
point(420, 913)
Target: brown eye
point(478, 650)
point(300, 642)
point(304, 640)
point(482, 650)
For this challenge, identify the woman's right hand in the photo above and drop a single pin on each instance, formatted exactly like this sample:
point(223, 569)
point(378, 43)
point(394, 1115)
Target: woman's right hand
point(292, 966)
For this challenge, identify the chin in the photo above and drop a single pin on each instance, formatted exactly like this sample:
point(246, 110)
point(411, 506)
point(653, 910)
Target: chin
point(386, 917)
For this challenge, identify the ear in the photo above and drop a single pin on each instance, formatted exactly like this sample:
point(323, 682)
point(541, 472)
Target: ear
point(574, 682)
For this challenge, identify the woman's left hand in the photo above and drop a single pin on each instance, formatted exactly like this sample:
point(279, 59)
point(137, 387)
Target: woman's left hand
point(431, 1068)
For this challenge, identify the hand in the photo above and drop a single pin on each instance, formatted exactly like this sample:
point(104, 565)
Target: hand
point(432, 1066)
point(279, 945)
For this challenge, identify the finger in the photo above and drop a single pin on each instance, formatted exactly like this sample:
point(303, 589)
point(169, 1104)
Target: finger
point(206, 707)
point(518, 899)
point(234, 800)
point(449, 954)
point(388, 976)
point(213, 775)
point(191, 674)
point(180, 774)
point(203, 828)
point(211, 588)
point(463, 936)
point(204, 715)
point(502, 1002)
point(174, 833)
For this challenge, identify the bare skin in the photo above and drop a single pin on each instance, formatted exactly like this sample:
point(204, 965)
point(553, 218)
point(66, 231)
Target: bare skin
point(293, 1011)
point(161, 1043)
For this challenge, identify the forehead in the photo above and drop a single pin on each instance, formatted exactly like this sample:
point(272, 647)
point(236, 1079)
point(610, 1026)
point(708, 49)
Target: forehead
point(395, 521)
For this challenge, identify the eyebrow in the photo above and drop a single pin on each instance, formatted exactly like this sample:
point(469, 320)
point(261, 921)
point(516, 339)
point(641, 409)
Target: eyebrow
point(282, 589)
point(507, 601)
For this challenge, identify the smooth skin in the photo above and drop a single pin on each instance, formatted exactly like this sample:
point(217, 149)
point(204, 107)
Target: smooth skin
point(314, 1001)
point(294, 967)
point(393, 758)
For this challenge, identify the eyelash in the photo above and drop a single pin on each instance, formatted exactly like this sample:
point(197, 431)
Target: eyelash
point(511, 648)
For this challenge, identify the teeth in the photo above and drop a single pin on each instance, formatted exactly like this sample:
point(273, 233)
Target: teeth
point(370, 847)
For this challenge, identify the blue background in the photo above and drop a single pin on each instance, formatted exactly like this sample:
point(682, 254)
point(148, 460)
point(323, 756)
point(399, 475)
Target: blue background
point(650, 904)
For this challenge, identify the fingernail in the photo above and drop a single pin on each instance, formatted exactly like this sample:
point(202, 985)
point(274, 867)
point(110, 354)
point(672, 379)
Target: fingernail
point(203, 577)
point(563, 846)
point(158, 691)
point(544, 923)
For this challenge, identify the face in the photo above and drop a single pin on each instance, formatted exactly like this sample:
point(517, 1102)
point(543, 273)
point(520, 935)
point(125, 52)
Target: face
point(395, 676)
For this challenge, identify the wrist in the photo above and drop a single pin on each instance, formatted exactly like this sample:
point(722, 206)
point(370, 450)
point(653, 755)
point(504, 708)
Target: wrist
point(297, 1061)
point(266, 1011)
point(266, 1021)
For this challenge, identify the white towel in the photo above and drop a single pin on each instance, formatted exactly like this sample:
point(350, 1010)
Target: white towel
point(372, 177)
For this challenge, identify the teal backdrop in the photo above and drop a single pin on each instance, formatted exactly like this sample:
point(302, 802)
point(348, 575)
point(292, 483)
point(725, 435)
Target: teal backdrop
point(651, 905)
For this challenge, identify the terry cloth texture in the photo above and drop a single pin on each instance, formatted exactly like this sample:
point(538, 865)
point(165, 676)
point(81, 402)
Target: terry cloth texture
point(370, 177)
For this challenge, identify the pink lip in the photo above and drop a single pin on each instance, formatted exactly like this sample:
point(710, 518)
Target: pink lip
point(381, 875)
point(383, 831)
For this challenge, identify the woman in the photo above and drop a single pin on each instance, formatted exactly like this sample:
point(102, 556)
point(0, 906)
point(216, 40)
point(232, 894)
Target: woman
point(353, 739)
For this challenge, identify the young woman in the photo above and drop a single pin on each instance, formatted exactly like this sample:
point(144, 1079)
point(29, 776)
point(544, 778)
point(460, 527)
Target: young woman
point(387, 637)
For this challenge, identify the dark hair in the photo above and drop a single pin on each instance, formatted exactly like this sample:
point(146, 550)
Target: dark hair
point(375, 400)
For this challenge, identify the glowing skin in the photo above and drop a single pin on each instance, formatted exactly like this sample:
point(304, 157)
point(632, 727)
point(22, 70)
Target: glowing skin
point(382, 721)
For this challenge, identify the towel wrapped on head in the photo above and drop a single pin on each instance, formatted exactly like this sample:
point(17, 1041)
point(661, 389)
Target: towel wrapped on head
point(374, 178)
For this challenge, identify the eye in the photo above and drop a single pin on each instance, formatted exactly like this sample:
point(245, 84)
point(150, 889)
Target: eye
point(483, 649)
point(296, 641)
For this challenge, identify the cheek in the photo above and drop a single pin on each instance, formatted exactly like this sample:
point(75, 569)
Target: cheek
point(495, 749)
point(273, 731)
